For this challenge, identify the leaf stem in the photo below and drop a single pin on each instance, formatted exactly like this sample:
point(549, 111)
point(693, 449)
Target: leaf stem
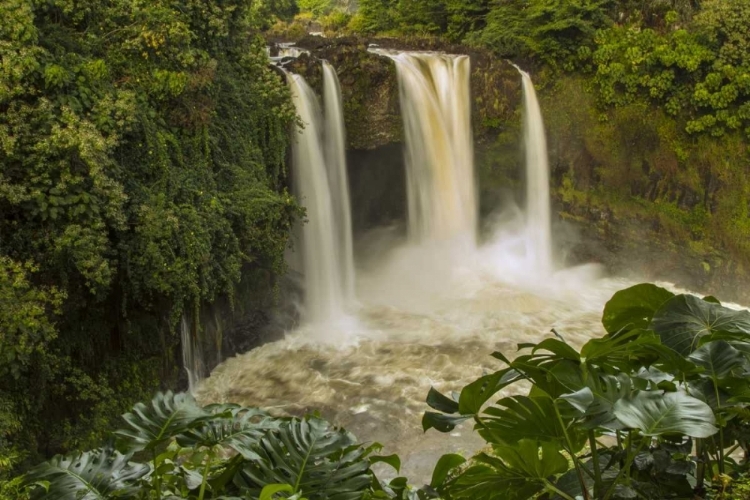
point(721, 429)
point(573, 456)
point(597, 466)
point(206, 471)
point(157, 477)
point(628, 461)
point(551, 487)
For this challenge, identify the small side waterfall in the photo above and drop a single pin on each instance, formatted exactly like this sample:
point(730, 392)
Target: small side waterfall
point(192, 358)
point(538, 212)
point(322, 188)
point(335, 155)
point(436, 109)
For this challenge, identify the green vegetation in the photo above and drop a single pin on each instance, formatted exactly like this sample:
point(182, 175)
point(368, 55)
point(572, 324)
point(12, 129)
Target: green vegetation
point(218, 451)
point(647, 104)
point(655, 409)
point(142, 175)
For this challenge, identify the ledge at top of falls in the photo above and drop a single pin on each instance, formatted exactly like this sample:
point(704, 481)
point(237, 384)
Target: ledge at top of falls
point(370, 87)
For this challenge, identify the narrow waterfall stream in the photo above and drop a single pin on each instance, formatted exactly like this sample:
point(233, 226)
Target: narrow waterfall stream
point(192, 356)
point(427, 315)
point(321, 186)
point(335, 156)
point(538, 226)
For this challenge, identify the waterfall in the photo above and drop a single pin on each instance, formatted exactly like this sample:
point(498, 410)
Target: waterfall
point(192, 358)
point(322, 188)
point(435, 105)
point(538, 212)
point(335, 155)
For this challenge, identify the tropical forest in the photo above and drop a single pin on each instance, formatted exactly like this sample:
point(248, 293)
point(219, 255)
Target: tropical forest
point(374, 249)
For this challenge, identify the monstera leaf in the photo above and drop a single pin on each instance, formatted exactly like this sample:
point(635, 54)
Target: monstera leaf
point(470, 402)
point(684, 319)
point(93, 475)
point(514, 472)
point(655, 413)
point(167, 416)
point(607, 390)
point(317, 459)
point(620, 349)
point(633, 307)
point(238, 428)
point(522, 417)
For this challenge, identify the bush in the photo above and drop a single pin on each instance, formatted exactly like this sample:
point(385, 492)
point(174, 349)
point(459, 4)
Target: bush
point(667, 386)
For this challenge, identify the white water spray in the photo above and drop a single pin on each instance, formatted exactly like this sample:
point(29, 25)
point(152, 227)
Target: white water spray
point(324, 193)
point(436, 109)
point(538, 214)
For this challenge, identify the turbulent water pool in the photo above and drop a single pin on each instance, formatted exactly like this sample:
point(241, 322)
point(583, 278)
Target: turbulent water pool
point(419, 323)
point(427, 313)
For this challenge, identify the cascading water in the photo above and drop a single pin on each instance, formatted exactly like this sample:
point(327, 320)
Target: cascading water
point(435, 105)
point(335, 155)
point(538, 225)
point(419, 326)
point(192, 358)
point(322, 190)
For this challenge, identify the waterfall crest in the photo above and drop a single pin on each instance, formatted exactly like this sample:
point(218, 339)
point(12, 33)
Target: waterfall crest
point(322, 188)
point(436, 109)
point(538, 213)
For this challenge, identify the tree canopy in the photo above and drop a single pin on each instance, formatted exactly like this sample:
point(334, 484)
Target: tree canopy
point(141, 173)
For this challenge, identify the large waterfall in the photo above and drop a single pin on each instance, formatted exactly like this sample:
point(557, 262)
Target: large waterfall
point(436, 109)
point(429, 311)
point(321, 186)
point(539, 238)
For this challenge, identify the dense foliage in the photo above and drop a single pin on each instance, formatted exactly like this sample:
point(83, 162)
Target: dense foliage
point(691, 58)
point(218, 451)
point(655, 409)
point(141, 175)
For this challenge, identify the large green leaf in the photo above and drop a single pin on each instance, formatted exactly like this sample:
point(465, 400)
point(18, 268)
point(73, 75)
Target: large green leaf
point(633, 307)
point(239, 429)
point(444, 466)
point(607, 390)
point(440, 402)
point(474, 395)
point(317, 459)
point(620, 350)
point(655, 413)
point(719, 359)
point(93, 475)
point(167, 416)
point(516, 418)
point(684, 319)
point(441, 421)
point(515, 472)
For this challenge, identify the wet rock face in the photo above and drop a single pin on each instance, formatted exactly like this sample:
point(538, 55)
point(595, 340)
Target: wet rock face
point(369, 87)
